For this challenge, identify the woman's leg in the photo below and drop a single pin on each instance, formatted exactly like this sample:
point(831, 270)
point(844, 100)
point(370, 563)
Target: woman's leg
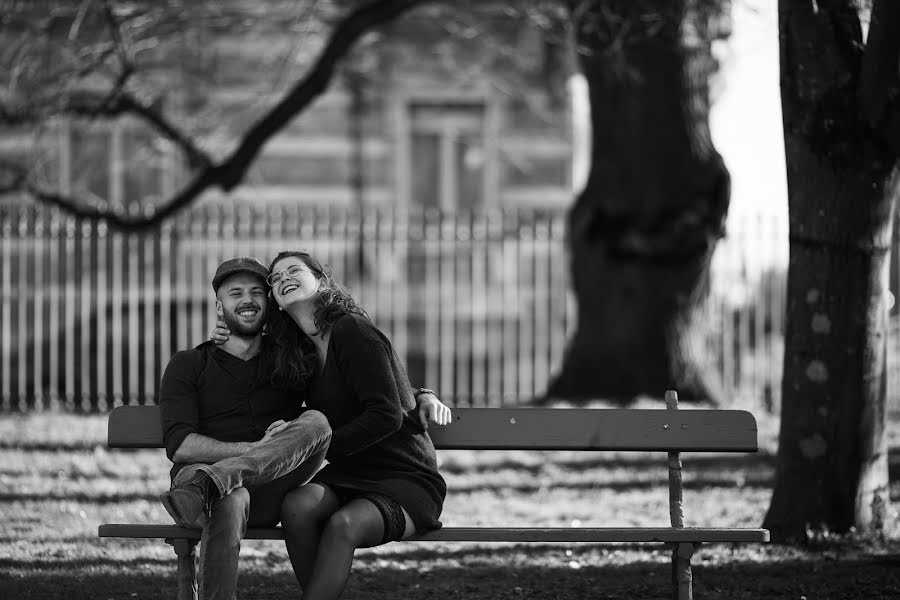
point(357, 524)
point(303, 512)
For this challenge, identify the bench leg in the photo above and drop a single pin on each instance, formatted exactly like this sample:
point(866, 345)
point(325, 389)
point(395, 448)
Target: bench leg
point(187, 577)
point(682, 580)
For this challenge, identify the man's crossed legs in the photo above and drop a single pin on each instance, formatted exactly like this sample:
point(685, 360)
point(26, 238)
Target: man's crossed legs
point(226, 497)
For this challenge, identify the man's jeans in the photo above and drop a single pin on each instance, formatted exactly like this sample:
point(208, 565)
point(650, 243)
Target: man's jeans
point(253, 486)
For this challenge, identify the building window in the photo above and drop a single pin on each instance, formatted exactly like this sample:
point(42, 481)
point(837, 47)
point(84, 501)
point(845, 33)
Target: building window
point(90, 147)
point(118, 164)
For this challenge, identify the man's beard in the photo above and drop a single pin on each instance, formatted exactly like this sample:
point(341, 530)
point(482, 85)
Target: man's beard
point(240, 329)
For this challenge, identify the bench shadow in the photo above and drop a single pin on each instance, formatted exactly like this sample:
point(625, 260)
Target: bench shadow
point(466, 576)
point(79, 497)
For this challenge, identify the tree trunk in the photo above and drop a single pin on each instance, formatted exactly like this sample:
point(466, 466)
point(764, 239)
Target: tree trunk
point(832, 462)
point(642, 232)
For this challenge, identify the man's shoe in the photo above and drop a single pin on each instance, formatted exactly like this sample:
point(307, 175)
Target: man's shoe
point(189, 503)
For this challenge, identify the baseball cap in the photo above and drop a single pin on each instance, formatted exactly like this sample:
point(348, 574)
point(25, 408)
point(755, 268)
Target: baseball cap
point(242, 264)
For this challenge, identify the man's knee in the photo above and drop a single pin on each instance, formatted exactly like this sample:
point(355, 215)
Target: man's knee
point(312, 425)
point(317, 421)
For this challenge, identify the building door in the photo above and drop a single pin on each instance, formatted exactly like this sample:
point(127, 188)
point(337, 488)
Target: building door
point(447, 158)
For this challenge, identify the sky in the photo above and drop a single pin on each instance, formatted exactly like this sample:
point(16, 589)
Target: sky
point(745, 120)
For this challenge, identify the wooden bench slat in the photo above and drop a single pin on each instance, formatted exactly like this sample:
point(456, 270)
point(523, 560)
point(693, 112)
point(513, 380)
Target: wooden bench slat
point(489, 534)
point(598, 429)
point(532, 429)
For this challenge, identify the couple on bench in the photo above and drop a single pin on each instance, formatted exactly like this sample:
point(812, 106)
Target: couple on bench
point(294, 375)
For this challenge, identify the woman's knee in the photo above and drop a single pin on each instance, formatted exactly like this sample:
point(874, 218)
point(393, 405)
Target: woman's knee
point(357, 524)
point(343, 527)
point(304, 505)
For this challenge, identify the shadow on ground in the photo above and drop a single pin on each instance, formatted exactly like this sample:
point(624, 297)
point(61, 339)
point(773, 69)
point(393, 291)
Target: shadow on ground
point(875, 576)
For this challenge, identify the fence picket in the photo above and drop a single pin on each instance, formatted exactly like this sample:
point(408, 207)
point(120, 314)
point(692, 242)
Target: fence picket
point(6, 297)
point(541, 320)
point(86, 304)
point(510, 275)
point(525, 303)
point(69, 305)
point(38, 239)
point(117, 391)
point(166, 257)
point(494, 286)
point(148, 332)
point(104, 304)
point(478, 303)
point(22, 310)
point(431, 257)
point(446, 306)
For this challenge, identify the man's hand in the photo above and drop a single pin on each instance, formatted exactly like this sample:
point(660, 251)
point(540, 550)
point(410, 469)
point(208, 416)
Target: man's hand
point(432, 410)
point(272, 430)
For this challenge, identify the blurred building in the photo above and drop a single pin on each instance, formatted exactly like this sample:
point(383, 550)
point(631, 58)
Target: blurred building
point(429, 112)
point(433, 174)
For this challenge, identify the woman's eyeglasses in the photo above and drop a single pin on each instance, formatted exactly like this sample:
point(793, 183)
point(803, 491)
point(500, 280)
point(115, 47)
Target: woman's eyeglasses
point(275, 277)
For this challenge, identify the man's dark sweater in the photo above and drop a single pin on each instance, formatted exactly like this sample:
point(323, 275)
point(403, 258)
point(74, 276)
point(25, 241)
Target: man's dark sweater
point(208, 391)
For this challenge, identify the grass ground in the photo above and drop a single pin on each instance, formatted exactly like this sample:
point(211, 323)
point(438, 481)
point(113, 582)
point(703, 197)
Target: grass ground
point(58, 482)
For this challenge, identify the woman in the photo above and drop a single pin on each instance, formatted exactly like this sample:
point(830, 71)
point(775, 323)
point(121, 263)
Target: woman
point(381, 483)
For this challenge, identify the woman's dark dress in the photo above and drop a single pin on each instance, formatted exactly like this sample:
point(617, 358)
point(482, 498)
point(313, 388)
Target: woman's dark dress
point(377, 444)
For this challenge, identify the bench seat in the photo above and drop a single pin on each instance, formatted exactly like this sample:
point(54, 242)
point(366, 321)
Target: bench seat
point(489, 534)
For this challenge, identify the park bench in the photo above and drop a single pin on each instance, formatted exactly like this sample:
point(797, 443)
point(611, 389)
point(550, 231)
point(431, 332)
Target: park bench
point(666, 430)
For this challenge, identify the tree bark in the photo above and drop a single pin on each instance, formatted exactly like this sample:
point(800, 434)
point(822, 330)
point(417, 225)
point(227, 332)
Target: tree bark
point(832, 461)
point(642, 232)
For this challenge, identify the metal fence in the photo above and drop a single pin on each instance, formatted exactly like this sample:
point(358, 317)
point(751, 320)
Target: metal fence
point(477, 306)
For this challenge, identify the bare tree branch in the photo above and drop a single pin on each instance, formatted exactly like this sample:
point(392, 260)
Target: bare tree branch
point(115, 32)
point(114, 104)
point(347, 32)
point(230, 172)
point(196, 157)
point(98, 61)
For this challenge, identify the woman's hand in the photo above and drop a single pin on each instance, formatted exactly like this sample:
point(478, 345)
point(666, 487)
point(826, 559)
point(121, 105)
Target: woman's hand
point(432, 410)
point(221, 333)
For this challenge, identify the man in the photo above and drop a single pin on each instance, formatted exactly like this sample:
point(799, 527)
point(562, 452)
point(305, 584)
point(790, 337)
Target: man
point(231, 470)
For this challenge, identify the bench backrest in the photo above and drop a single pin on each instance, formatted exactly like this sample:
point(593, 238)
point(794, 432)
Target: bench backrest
point(532, 429)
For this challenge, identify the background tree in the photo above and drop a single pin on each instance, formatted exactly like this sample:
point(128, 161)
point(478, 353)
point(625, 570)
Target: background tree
point(105, 59)
point(841, 110)
point(643, 229)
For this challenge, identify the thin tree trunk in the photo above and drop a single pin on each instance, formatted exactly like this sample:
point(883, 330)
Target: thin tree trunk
point(643, 230)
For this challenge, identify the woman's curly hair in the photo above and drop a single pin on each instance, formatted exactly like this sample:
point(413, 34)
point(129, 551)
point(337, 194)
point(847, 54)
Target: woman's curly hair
point(292, 353)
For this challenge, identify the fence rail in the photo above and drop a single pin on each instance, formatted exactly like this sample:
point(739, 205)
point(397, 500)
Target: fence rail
point(477, 306)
